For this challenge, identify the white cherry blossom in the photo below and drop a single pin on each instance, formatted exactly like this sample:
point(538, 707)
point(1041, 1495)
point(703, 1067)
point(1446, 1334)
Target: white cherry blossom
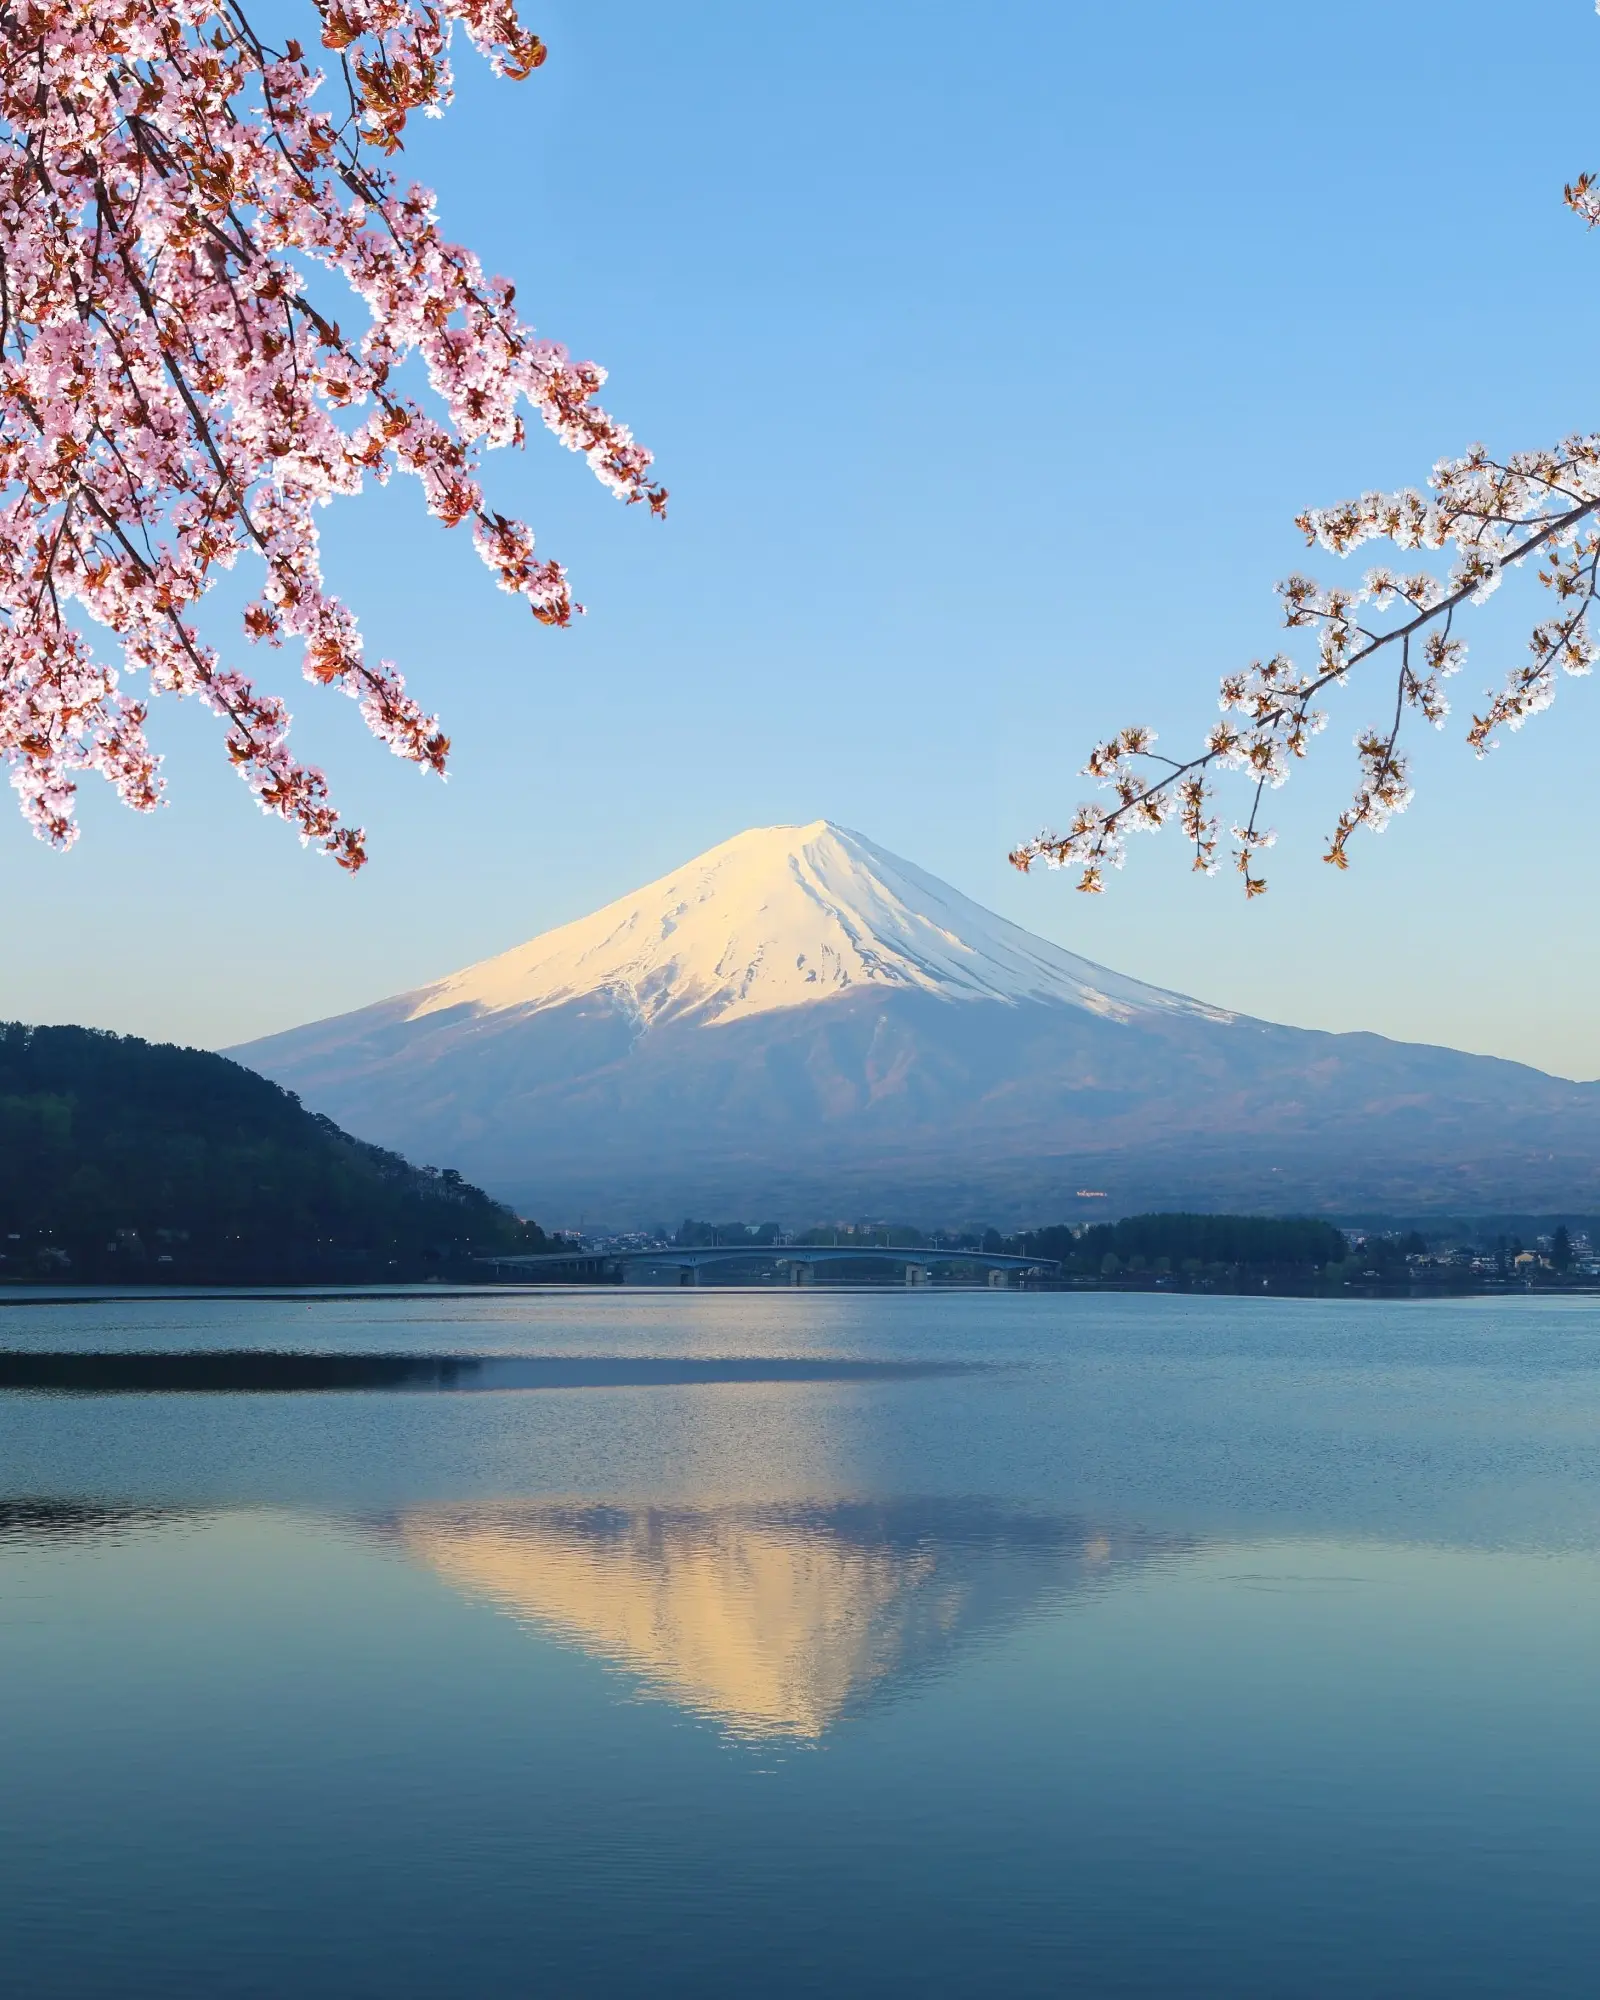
point(1487, 516)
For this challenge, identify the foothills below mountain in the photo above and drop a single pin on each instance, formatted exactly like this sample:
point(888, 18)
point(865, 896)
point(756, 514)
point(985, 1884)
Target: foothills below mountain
point(800, 1023)
point(130, 1161)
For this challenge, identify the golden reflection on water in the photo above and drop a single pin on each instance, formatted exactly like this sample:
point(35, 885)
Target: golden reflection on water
point(771, 1622)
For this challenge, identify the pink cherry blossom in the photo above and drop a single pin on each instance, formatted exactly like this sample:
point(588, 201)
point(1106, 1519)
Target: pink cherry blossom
point(177, 393)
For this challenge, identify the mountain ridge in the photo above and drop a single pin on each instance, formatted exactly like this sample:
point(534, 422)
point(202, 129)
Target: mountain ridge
point(670, 1054)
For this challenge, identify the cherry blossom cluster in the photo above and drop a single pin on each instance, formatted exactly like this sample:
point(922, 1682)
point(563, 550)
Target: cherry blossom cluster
point(1484, 516)
point(173, 395)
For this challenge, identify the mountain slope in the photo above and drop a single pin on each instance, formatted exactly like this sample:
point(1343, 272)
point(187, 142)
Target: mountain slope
point(132, 1160)
point(800, 1023)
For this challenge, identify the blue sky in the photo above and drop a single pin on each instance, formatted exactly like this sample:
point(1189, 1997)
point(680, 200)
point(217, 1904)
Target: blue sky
point(988, 354)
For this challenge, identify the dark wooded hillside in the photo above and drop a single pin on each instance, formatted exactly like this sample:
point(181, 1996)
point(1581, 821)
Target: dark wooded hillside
point(129, 1160)
point(1254, 1242)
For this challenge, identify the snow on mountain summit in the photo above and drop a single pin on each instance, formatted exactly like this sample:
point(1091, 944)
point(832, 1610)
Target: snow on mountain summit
point(800, 1025)
point(782, 917)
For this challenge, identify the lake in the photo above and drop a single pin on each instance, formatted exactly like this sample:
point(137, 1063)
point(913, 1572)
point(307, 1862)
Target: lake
point(729, 1642)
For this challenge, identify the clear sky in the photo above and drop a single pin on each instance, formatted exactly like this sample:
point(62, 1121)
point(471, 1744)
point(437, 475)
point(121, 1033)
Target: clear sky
point(988, 353)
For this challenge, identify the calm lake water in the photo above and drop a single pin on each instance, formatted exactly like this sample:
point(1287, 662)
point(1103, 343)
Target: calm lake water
point(736, 1643)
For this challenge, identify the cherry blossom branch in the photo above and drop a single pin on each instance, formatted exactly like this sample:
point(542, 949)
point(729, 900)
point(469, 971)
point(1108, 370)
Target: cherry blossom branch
point(169, 189)
point(1493, 516)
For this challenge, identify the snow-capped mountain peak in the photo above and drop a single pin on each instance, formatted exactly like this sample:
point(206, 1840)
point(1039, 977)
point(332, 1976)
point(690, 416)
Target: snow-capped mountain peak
point(800, 1025)
point(786, 916)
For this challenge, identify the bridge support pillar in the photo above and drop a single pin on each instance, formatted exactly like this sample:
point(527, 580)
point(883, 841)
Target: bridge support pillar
point(918, 1274)
point(802, 1274)
point(998, 1280)
point(689, 1275)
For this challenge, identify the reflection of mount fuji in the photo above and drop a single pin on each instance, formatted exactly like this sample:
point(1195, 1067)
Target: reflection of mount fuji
point(772, 1622)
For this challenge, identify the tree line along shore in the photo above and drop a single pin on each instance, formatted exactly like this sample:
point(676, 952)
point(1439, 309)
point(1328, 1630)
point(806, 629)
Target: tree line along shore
point(1178, 1250)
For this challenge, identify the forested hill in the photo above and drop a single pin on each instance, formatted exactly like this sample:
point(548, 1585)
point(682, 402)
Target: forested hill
point(130, 1160)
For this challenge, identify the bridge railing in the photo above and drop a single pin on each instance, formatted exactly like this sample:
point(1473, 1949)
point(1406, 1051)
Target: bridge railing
point(691, 1257)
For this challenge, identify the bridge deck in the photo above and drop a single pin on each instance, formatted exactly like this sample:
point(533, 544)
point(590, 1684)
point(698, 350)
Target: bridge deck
point(692, 1258)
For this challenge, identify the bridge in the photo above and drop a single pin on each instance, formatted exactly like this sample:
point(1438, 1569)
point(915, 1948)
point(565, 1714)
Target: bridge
point(802, 1261)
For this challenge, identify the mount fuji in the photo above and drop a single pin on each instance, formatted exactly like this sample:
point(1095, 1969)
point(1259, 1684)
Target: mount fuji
point(800, 1024)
